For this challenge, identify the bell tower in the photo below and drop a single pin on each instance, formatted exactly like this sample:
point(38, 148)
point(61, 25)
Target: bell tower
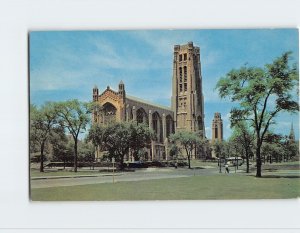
point(121, 91)
point(95, 93)
point(122, 100)
point(217, 128)
point(187, 97)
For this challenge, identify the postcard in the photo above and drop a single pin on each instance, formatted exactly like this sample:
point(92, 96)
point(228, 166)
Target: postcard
point(164, 115)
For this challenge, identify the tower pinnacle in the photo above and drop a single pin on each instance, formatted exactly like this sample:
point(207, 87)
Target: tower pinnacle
point(292, 134)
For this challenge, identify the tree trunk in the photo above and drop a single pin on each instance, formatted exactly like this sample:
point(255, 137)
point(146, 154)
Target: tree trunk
point(42, 157)
point(258, 161)
point(189, 158)
point(247, 160)
point(122, 162)
point(75, 156)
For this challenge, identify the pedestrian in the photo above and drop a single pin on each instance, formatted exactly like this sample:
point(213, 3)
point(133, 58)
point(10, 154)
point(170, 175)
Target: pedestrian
point(226, 168)
point(176, 165)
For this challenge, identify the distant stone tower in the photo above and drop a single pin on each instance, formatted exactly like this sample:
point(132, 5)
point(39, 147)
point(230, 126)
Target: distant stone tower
point(187, 97)
point(292, 135)
point(217, 128)
point(95, 93)
point(122, 100)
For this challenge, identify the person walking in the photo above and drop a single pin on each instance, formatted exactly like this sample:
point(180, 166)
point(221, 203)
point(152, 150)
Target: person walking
point(226, 168)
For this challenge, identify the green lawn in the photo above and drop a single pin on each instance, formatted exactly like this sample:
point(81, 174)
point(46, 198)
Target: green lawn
point(189, 188)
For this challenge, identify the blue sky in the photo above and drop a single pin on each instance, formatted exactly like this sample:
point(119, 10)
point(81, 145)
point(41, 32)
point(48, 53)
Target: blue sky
point(67, 64)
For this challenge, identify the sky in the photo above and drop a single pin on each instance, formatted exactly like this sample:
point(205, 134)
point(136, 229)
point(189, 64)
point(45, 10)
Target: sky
point(68, 64)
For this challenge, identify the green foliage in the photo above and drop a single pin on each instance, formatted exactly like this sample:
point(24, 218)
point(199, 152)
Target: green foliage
point(86, 152)
point(261, 93)
point(74, 116)
point(188, 140)
point(140, 138)
point(96, 135)
point(243, 140)
point(174, 151)
point(42, 122)
point(118, 138)
point(219, 148)
point(117, 141)
point(60, 146)
point(278, 148)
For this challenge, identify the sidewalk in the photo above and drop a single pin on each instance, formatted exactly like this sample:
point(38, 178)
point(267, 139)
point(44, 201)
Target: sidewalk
point(74, 176)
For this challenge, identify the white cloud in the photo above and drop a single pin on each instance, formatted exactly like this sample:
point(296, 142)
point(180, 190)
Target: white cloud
point(108, 55)
point(209, 58)
point(162, 42)
point(208, 132)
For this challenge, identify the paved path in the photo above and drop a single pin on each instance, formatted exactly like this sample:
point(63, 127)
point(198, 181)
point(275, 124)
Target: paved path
point(140, 174)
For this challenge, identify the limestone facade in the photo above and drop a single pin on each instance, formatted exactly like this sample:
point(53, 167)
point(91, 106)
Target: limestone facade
point(187, 97)
point(186, 113)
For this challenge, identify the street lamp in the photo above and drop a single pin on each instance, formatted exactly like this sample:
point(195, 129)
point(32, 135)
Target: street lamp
point(113, 163)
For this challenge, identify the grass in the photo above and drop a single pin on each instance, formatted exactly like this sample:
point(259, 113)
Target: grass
point(188, 188)
point(199, 163)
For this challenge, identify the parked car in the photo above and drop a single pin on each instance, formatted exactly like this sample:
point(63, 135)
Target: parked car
point(234, 160)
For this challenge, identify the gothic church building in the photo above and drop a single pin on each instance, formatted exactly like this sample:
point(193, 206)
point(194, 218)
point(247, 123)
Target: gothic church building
point(186, 112)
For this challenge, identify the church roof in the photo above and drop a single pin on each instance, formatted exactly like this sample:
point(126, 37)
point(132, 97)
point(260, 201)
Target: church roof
point(147, 102)
point(136, 99)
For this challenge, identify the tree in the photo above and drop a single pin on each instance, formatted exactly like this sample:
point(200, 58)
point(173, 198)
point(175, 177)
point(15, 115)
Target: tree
point(96, 135)
point(141, 137)
point(272, 146)
point(244, 137)
point(202, 148)
point(174, 151)
point(116, 141)
point(86, 152)
point(119, 138)
point(219, 149)
point(60, 146)
point(188, 140)
point(42, 122)
point(291, 148)
point(261, 94)
point(74, 116)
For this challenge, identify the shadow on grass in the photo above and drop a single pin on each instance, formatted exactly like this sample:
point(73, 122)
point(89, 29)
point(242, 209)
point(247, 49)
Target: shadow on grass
point(279, 176)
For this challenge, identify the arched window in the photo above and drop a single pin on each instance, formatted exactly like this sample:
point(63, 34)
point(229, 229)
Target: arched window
point(141, 116)
point(109, 113)
point(185, 78)
point(216, 132)
point(199, 122)
point(169, 125)
point(185, 73)
point(180, 74)
point(157, 126)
